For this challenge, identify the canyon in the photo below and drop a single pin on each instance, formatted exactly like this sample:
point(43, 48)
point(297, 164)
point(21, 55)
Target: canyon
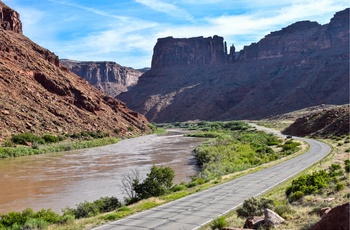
point(302, 65)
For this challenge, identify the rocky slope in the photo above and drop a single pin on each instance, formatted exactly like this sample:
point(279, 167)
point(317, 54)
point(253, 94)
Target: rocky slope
point(109, 77)
point(302, 65)
point(39, 95)
point(325, 123)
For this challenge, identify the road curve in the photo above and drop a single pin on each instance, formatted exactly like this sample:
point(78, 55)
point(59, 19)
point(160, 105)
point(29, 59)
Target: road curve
point(195, 210)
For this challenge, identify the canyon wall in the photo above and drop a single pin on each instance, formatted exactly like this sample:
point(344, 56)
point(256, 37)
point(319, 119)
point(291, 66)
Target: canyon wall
point(304, 64)
point(109, 77)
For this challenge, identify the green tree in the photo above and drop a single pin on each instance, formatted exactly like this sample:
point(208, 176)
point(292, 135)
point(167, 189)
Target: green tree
point(157, 183)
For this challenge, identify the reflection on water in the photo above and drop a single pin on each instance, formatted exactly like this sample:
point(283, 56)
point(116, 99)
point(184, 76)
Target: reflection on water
point(65, 179)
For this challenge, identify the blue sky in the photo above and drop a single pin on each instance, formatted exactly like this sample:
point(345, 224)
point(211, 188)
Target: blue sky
point(126, 31)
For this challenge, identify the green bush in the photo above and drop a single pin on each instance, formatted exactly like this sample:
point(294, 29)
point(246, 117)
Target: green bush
point(295, 196)
point(35, 224)
point(254, 207)
point(347, 165)
point(158, 182)
point(90, 209)
point(290, 146)
point(178, 187)
point(51, 139)
point(339, 186)
point(219, 223)
point(335, 170)
point(308, 184)
point(23, 138)
point(28, 219)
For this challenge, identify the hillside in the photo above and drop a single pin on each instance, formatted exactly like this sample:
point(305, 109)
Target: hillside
point(39, 95)
point(304, 64)
point(326, 123)
point(109, 77)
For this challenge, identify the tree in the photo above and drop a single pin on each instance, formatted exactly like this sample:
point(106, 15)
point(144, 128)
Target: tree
point(157, 183)
point(127, 185)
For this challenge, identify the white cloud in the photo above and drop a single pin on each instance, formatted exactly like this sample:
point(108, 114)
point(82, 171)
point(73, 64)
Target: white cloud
point(169, 9)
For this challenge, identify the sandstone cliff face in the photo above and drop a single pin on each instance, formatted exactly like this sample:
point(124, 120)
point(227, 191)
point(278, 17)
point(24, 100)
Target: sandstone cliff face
point(302, 65)
point(40, 96)
point(109, 77)
point(170, 52)
point(9, 19)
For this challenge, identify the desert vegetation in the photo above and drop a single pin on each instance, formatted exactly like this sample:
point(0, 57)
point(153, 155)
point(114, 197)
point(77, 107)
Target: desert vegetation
point(29, 144)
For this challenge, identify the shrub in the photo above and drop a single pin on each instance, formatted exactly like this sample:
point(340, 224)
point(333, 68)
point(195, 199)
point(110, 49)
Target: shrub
point(282, 210)
point(296, 196)
point(219, 223)
point(107, 204)
point(339, 186)
point(254, 207)
point(308, 184)
point(178, 187)
point(90, 209)
point(28, 219)
point(35, 224)
point(130, 128)
point(335, 170)
point(117, 131)
point(51, 139)
point(22, 138)
point(347, 165)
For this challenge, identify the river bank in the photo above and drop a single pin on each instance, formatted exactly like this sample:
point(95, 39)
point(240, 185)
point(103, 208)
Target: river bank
point(64, 179)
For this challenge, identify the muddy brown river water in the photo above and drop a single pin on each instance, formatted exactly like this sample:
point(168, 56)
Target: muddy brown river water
point(64, 179)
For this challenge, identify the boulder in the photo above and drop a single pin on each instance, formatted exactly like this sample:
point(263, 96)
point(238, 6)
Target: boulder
point(336, 218)
point(324, 211)
point(272, 219)
point(253, 223)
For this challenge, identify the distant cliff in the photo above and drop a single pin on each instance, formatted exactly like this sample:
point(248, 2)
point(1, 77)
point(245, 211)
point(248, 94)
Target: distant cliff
point(109, 77)
point(171, 51)
point(302, 65)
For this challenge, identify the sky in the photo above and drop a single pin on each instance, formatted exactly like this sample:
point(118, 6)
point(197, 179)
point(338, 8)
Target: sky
point(125, 31)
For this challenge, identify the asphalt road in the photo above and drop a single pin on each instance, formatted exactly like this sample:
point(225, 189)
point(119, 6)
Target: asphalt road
point(195, 210)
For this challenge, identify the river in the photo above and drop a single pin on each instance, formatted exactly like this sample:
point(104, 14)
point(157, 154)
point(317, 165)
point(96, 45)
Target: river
point(65, 179)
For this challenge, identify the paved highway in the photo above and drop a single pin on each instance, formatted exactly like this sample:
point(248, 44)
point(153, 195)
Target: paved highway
point(195, 210)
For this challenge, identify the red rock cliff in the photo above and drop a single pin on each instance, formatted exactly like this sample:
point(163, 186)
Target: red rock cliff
point(10, 19)
point(171, 51)
point(109, 77)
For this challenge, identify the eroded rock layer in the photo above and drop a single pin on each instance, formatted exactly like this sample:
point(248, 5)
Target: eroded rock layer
point(302, 65)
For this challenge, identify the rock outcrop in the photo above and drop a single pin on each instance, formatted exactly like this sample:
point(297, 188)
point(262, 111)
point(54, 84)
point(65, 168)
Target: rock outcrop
point(329, 122)
point(336, 218)
point(302, 65)
point(109, 77)
point(170, 52)
point(10, 19)
point(40, 96)
point(272, 219)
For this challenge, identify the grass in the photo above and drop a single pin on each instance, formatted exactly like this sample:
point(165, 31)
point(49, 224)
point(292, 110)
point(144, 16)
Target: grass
point(6, 152)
